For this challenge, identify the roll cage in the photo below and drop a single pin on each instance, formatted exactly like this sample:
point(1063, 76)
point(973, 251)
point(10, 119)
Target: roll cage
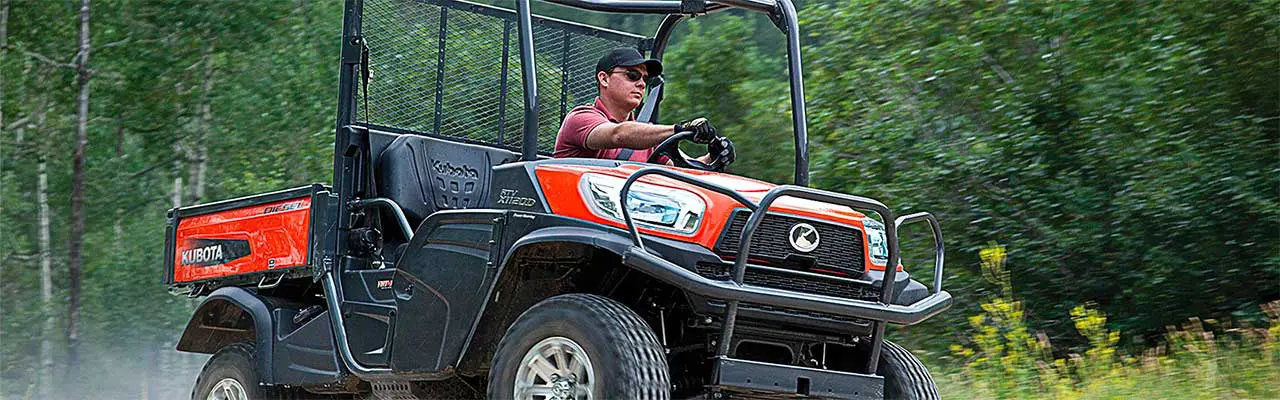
point(781, 12)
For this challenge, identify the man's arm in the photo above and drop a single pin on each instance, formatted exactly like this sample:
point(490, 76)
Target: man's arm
point(629, 134)
point(640, 135)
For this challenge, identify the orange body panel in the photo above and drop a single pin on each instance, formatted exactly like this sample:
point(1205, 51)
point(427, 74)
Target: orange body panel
point(560, 186)
point(244, 240)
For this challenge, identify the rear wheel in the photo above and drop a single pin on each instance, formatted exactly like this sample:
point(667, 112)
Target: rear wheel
point(905, 377)
point(229, 375)
point(579, 346)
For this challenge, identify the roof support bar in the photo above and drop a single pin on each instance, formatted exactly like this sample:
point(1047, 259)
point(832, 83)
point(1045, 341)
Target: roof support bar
point(528, 73)
point(786, 13)
point(629, 6)
point(764, 6)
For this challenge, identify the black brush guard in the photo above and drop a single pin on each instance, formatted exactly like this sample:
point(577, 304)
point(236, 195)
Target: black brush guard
point(734, 372)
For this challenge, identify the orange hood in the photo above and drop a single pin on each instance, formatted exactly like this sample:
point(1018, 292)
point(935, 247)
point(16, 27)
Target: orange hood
point(559, 183)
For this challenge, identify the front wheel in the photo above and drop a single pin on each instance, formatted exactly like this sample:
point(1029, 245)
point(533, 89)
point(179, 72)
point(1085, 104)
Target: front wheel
point(905, 377)
point(579, 346)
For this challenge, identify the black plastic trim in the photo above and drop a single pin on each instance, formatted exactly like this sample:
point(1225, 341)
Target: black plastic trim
point(231, 204)
point(170, 246)
point(517, 175)
point(263, 324)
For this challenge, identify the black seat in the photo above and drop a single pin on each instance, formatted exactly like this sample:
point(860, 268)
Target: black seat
point(424, 174)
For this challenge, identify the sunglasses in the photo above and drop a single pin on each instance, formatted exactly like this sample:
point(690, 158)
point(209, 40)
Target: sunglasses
point(632, 75)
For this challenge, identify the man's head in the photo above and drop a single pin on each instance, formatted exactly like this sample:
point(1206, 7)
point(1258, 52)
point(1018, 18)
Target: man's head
point(622, 74)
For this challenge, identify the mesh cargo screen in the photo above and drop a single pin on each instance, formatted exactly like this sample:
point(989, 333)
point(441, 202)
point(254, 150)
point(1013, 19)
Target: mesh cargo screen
point(452, 69)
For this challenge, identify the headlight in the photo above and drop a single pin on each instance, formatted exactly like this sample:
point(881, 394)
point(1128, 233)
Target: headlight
point(650, 205)
point(877, 241)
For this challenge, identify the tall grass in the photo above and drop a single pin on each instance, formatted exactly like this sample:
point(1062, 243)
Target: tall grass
point(1198, 360)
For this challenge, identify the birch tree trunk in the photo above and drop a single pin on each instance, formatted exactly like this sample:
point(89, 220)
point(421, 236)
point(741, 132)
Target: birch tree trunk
point(45, 252)
point(46, 282)
point(177, 148)
point(4, 51)
point(201, 153)
point(4, 55)
point(75, 262)
point(118, 225)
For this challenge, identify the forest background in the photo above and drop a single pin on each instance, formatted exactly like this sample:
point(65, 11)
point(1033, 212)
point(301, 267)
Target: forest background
point(1106, 173)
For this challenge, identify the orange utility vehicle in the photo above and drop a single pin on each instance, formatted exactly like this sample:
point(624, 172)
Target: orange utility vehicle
point(451, 254)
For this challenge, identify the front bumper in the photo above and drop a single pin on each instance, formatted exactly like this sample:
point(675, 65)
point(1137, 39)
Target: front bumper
point(906, 291)
point(736, 374)
point(734, 292)
point(680, 277)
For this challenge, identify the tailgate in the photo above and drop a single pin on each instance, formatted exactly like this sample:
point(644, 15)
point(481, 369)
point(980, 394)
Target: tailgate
point(241, 241)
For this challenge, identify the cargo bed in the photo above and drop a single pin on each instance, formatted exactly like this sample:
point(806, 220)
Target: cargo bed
point(258, 240)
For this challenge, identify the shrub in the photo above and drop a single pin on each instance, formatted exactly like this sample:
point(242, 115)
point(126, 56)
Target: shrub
point(1200, 359)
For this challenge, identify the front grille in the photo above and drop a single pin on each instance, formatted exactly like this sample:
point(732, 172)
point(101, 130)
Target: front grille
point(792, 282)
point(840, 247)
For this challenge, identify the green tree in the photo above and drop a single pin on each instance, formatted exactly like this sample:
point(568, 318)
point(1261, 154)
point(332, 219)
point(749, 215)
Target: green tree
point(1125, 152)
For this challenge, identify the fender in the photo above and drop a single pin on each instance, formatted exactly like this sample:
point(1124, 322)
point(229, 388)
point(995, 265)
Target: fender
point(219, 321)
point(485, 333)
point(488, 326)
point(606, 239)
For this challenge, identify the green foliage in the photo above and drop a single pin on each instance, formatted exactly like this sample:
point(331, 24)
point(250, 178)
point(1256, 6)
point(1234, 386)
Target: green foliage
point(1009, 360)
point(1125, 152)
point(1192, 362)
point(271, 96)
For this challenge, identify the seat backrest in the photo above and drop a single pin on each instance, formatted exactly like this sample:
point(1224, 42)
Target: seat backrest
point(424, 174)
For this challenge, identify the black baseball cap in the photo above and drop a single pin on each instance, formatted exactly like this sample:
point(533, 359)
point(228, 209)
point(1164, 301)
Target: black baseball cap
point(627, 57)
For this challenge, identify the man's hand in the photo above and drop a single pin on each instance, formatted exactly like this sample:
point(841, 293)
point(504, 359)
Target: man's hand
point(721, 153)
point(703, 132)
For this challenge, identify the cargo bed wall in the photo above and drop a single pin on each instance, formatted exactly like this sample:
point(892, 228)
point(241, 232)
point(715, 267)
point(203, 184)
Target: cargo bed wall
point(240, 241)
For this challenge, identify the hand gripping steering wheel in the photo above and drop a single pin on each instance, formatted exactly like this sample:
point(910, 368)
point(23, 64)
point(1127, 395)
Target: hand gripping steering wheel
point(670, 147)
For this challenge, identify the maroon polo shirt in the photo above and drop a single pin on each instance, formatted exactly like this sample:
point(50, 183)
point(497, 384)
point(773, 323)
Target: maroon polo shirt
point(572, 139)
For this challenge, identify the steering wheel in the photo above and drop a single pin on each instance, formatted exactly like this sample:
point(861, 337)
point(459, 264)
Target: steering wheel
point(670, 147)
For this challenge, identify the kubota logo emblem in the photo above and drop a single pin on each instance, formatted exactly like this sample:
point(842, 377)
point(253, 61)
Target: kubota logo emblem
point(206, 252)
point(202, 254)
point(804, 237)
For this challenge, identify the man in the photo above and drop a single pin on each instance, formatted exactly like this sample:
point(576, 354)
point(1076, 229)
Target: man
point(607, 129)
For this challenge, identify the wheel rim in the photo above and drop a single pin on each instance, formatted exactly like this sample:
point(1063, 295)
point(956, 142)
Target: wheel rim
point(556, 368)
point(228, 389)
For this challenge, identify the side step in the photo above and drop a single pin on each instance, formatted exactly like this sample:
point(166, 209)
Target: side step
point(393, 391)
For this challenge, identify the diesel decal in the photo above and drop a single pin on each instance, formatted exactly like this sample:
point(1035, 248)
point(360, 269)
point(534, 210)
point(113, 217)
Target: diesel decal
point(206, 252)
point(293, 205)
point(512, 197)
point(463, 171)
